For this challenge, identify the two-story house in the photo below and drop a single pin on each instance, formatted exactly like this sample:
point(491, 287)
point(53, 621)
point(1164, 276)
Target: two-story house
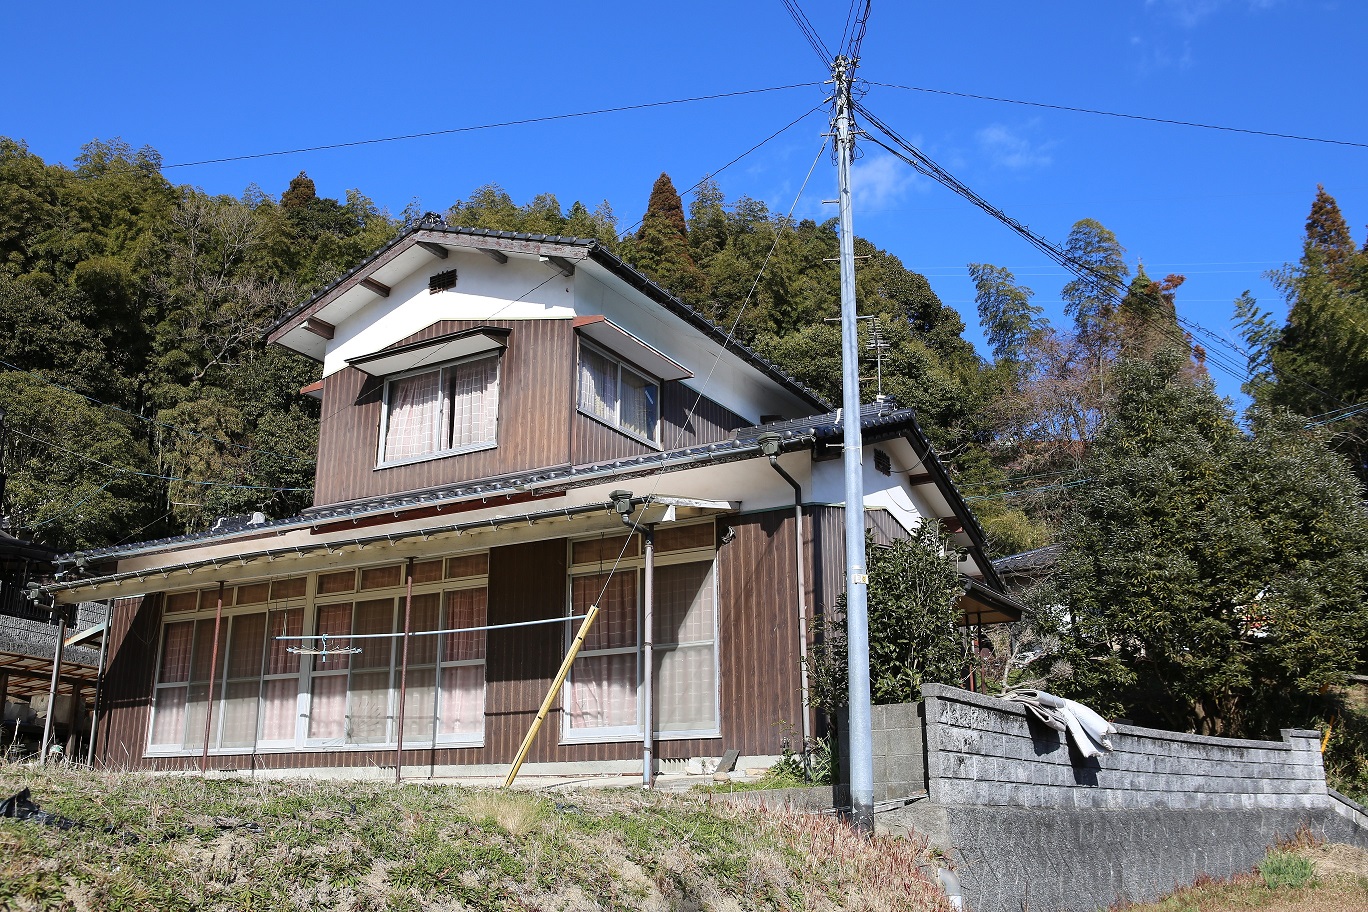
point(514, 428)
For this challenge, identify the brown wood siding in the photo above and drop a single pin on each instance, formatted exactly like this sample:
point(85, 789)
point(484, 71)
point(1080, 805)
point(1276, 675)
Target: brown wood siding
point(536, 380)
point(758, 632)
point(757, 646)
point(126, 696)
point(709, 422)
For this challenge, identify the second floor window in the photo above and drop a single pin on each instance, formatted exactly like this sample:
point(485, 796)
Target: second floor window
point(442, 411)
point(613, 393)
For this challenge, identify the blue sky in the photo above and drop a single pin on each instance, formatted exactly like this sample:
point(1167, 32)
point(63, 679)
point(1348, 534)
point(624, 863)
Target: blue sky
point(200, 81)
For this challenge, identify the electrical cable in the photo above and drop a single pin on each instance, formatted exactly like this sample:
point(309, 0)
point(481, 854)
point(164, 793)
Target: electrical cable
point(181, 430)
point(127, 471)
point(805, 26)
point(711, 174)
point(488, 126)
point(922, 163)
point(1140, 117)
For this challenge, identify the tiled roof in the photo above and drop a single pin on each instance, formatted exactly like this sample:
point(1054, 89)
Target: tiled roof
point(1032, 561)
point(886, 416)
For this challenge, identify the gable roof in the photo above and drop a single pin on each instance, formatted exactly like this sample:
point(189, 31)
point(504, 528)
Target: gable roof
point(432, 234)
point(879, 421)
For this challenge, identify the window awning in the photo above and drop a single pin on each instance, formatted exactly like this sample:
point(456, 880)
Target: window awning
point(434, 351)
point(619, 341)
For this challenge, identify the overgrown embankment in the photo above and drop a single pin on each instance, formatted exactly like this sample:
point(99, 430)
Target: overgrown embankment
point(172, 843)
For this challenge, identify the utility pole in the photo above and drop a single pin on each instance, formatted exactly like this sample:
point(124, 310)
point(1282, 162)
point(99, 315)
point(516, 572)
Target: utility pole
point(861, 740)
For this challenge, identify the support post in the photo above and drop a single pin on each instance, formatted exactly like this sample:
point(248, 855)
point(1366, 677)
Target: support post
point(99, 682)
point(52, 688)
point(648, 661)
point(551, 694)
point(403, 672)
point(213, 673)
point(857, 579)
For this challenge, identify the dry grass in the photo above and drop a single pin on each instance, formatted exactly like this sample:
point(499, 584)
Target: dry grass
point(185, 843)
point(1341, 885)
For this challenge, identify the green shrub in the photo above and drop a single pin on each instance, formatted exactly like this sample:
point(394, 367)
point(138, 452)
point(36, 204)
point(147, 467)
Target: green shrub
point(1286, 869)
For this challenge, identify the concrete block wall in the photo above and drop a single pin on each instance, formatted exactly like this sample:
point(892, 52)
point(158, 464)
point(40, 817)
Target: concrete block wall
point(985, 751)
point(899, 751)
point(1031, 824)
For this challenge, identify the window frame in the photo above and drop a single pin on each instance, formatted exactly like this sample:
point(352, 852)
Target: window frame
point(444, 410)
point(309, 603)
point(637, 564)
point(622, 364)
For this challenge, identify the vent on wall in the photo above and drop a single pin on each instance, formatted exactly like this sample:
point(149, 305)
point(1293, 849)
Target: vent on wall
point(442, 281)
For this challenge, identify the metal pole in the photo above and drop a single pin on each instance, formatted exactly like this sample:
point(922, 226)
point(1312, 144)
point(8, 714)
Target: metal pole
point(648, 658)
point(52, 688)
point(99, 682)
point(857, 580)
point(213, 673)
point(403, 673)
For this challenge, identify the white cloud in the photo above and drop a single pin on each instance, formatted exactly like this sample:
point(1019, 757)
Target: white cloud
point(1011, 149)
point(1191, 13)
point(879, 180)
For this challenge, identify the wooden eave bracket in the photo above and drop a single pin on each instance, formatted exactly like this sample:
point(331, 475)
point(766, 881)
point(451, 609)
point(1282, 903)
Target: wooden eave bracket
point(436, 250)
point(566, 267)
point(320, 327)
point(376, 286)
point(497, 256)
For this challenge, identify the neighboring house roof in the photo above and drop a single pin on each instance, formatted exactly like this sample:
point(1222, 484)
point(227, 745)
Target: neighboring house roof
point(879, 421)
point(433, 230)
point(1032, 563)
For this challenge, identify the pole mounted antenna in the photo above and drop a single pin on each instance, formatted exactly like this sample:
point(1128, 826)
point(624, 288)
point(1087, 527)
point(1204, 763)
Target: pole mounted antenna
point(857, 578)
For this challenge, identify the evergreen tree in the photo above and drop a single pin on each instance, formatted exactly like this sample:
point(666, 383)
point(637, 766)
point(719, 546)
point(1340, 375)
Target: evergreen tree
point(1210, 580)
point(1315, 364)
point(914, 618)
point(661, 246)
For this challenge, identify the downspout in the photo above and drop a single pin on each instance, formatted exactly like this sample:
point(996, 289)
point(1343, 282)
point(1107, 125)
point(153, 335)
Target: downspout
point(52, 689)
point(99, 682)
point(770, 445)
point(648, 661)
point(213, 673)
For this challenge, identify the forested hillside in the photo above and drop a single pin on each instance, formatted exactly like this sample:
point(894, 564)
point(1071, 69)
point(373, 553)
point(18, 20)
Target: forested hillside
point(141, 401)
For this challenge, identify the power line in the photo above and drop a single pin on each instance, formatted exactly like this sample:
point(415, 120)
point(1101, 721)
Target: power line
point(711, 174)
point(805, 26)
point(491, 126)
point(1140, 117)
point(180, 430)
point(923, 164)
point(127, 471)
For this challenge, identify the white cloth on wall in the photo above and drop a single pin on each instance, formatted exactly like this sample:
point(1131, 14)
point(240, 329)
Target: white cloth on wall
point(1090, 733)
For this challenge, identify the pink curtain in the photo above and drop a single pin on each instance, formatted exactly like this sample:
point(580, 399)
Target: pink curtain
point(616, 626)
point(279, 659)
point(685, 688)
point(175, 660)
point(239, 710)
point(414, 421)
point(474, 402)
point(464, 608)
point(328, 706)
point(603, 691)
point(462, 700)
point(278, 708)
point(168, 724)
point(334, 621)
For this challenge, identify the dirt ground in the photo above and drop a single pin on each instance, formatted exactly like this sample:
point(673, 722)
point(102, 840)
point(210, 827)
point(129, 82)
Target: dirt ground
point(1341, 885)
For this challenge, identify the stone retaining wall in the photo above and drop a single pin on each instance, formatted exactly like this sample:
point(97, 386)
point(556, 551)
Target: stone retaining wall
point(1033, 825)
